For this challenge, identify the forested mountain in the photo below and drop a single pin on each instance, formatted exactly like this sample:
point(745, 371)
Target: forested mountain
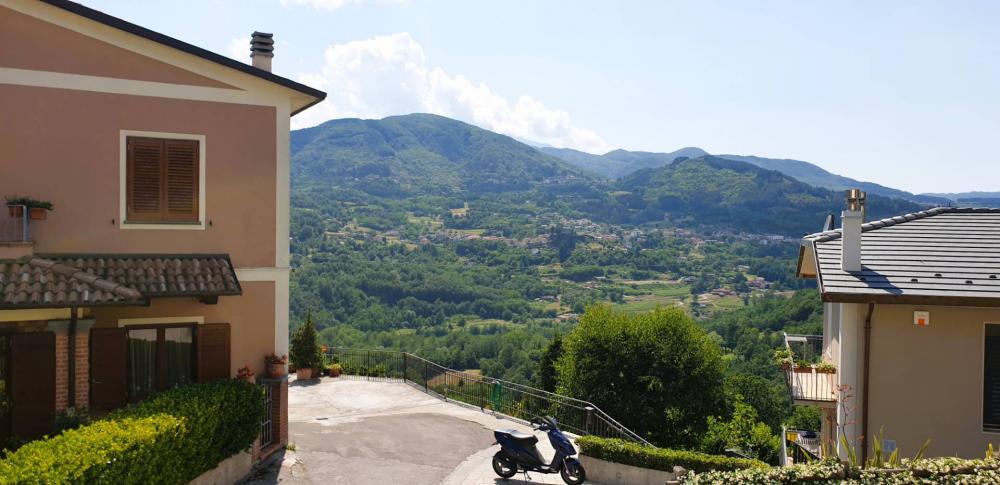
point(621, 163)
point(714, 191)
point(419, 154)
point(618, 163)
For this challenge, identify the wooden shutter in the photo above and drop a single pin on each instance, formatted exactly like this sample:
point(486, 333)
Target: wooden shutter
point(181, 183)
point(991, 379)
point(162, 180)
point(213, 352)
point(108, 365)
point(33, 384)
point(145, 180)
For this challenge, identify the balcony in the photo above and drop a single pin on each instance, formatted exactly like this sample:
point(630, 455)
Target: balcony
point(15, 233)
point(810, 380)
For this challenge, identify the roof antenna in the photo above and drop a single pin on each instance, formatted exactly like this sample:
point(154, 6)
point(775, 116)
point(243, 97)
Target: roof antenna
point(828, 225)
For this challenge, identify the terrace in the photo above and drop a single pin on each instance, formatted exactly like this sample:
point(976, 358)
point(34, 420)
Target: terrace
point(812, 381)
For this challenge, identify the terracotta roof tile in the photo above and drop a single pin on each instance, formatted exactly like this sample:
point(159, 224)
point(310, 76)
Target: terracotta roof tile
point(57, 280)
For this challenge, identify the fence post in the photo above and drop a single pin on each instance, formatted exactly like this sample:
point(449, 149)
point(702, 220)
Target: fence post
point(590, 417)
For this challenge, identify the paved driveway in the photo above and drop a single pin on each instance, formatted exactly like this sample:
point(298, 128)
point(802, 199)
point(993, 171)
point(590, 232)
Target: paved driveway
point(359, 432)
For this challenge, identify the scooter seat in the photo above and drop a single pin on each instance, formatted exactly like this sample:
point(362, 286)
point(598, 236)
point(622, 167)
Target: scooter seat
point(523, 439)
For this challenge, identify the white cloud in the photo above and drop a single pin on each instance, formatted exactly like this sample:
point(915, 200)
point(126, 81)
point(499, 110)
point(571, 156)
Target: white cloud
point(389, 75)
point(328, 4)
point(239, 49)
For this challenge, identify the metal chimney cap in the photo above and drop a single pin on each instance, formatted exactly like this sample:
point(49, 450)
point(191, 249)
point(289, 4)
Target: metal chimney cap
point(855, 199)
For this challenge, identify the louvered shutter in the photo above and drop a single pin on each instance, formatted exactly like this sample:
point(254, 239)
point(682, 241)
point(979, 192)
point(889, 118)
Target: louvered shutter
point(213, 352)
point(181, 181)
point(145, 180)
point(991, 378)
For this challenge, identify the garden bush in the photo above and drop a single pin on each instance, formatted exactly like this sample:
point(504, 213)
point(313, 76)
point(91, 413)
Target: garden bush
point(930, 471)
point(169, 439)
point(628, 453)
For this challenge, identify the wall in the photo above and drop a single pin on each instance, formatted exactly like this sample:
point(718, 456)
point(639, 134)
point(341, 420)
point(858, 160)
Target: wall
point(927, 382)
point(63, 146)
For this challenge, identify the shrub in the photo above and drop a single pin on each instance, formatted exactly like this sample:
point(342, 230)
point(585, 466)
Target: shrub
point(171, 438)
point(305, 351)
point(628, 453)
point(830, 471)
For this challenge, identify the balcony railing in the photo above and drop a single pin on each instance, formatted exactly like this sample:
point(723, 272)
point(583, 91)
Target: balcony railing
point(810, 380)
point(14, 227)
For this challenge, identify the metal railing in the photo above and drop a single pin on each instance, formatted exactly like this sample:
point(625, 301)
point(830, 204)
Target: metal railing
point(15, 227)
point(805, 347)
point(267, 423)
point(511, 399)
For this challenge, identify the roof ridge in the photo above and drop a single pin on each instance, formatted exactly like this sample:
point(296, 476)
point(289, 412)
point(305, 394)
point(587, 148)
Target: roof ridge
point(892, 221)
point(78, 274)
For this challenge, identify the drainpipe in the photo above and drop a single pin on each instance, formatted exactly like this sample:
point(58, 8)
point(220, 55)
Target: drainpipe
point(71, 358)
point(864, 397)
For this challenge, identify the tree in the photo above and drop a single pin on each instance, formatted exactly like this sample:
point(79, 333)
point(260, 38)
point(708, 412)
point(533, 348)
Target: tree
point(547, 366)
point(658, 373)
point(742, 432)
point(305, 352)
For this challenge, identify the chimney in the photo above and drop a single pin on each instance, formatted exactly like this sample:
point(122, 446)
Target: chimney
point(851, 220)
point(262, 50)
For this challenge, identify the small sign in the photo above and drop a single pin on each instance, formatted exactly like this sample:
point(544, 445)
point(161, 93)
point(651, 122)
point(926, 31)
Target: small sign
point(921, 319)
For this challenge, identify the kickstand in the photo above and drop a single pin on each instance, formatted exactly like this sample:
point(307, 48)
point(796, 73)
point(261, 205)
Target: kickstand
point(527, 478)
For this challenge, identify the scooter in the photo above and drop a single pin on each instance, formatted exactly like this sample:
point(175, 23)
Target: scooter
point(519, 453)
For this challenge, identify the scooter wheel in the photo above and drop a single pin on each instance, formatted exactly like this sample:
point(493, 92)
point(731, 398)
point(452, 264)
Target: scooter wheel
point(572, 472)
point(503, 466)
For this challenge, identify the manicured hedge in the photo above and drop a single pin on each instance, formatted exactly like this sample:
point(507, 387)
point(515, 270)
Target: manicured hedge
point(169, 439)
point(628, 453)
point(928, 471)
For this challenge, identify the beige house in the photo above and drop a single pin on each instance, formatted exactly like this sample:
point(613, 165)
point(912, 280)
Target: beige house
point(165, 259)
point(912, 324)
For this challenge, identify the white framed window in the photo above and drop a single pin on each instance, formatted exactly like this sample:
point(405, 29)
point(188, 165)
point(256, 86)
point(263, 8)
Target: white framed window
point(161, 180)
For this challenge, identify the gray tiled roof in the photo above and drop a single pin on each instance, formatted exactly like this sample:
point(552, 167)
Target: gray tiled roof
point(55, 280)
point(939, 256)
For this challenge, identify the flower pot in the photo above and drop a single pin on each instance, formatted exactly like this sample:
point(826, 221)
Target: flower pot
point(37, 213)
point(804, 369)
point(335, 372)
point(317, 372)
point(302, 374)
point(275, 371)
point(16, 210)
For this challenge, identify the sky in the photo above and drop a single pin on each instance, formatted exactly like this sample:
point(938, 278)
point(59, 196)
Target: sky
point(902, 93)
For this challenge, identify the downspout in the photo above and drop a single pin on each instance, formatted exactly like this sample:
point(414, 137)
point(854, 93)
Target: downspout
point(864, 397)
point(71, 358)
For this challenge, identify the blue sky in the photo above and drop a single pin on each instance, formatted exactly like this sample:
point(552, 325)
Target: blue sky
point(906, 94)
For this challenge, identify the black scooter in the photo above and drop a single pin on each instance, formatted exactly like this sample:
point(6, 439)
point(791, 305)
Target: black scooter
point(519, 453)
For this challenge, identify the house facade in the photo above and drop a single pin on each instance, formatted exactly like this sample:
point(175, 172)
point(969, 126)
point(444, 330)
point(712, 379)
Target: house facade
point(912, 327)
point(165, 257)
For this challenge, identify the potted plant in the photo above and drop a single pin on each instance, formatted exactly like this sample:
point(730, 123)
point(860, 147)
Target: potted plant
point(334, 370)
point(275, 365)
point(783, 357)
point(803, 366)
point(37, 209)
point(245, 374)
point(306, 354)
point(826, 368)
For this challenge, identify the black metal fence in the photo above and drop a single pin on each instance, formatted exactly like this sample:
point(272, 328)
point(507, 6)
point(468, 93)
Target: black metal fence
point(503, 397)
point(267, 423)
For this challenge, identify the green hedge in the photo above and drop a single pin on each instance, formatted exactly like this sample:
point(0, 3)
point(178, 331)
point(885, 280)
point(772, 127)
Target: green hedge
point(930, 471)
point(170, 439)
point(628, 453)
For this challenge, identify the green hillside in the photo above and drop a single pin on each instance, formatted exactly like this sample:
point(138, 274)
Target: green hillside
point(713, 191)
point(419, 154)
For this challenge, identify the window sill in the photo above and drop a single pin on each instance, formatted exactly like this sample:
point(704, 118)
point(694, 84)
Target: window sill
point(190, 226)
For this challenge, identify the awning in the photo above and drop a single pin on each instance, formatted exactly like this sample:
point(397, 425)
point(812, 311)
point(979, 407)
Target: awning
point(84, 280)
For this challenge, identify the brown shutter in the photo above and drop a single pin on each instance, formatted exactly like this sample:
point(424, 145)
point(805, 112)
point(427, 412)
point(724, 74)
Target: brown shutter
point(213, 352)
point(33, 384)
point(108, 365)
point(181, 187)
point(145, 179)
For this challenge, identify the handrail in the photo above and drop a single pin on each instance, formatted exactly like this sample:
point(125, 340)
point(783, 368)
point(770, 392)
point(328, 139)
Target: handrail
point(519, 401)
